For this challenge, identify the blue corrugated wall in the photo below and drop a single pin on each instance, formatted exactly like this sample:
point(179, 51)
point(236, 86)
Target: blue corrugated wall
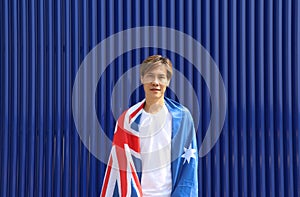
point(255, 45)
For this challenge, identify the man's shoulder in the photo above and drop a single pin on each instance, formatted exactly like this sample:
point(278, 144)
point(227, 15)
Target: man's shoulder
point(133, 111)
point(176, 106)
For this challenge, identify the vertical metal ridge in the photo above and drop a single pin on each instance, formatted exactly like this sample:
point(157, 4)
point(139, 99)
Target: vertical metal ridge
point(57, 98)
point(31, 132)
point(215, 53)
point(296, 92)
point(76, 62)
point(49, 100)
point(84, 40)
point(278, 95)
point(40, 99)
point(67, 75)
point(269, 105)
point(5, 137)
point(24, 100)
point(224, 69)
point(287, 97)
point(232, 97)
point(92, 187)
point(241, 97)
point(250, 97)
point(260, 92)
point(14, 102)
point(205, 41)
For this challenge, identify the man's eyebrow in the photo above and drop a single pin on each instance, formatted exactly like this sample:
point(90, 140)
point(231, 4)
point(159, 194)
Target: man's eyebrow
point(151, 73)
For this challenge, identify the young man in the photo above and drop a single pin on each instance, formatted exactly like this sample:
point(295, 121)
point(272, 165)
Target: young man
point(154, 149)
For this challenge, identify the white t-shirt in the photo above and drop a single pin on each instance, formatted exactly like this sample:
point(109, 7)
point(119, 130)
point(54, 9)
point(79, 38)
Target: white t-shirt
point(155, 138)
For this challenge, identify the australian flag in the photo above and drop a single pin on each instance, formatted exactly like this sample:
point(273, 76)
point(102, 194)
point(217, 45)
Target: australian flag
point(122, 177)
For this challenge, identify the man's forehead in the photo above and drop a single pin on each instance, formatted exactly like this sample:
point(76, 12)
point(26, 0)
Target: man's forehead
point(157, 69)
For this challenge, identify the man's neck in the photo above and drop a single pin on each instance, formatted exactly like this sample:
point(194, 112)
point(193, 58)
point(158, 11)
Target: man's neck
point(153, 106)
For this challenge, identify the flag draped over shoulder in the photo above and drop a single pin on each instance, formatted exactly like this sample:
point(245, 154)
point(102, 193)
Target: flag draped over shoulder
point(122, 177)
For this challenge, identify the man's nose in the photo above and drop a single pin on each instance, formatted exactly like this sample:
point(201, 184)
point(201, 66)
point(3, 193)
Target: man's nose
point(155, 80)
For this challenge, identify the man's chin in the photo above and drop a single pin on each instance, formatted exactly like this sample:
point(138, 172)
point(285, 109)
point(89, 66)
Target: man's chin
point(155, 96)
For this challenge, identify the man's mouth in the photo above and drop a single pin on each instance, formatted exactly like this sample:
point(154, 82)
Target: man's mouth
point(154, 89)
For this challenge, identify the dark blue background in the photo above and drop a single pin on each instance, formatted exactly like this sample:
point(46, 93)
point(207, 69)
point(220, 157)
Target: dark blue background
point(254, 43)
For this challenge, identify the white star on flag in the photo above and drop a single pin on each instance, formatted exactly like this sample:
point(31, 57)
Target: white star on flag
point(188, 153)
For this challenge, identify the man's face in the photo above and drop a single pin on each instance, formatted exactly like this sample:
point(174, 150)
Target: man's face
point(155, 82)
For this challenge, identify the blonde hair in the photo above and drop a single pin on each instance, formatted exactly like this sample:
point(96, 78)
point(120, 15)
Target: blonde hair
point(150, 62)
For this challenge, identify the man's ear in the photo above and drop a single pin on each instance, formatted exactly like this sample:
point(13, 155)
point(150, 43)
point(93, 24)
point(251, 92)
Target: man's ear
point(168, 83)
point(142, 79)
